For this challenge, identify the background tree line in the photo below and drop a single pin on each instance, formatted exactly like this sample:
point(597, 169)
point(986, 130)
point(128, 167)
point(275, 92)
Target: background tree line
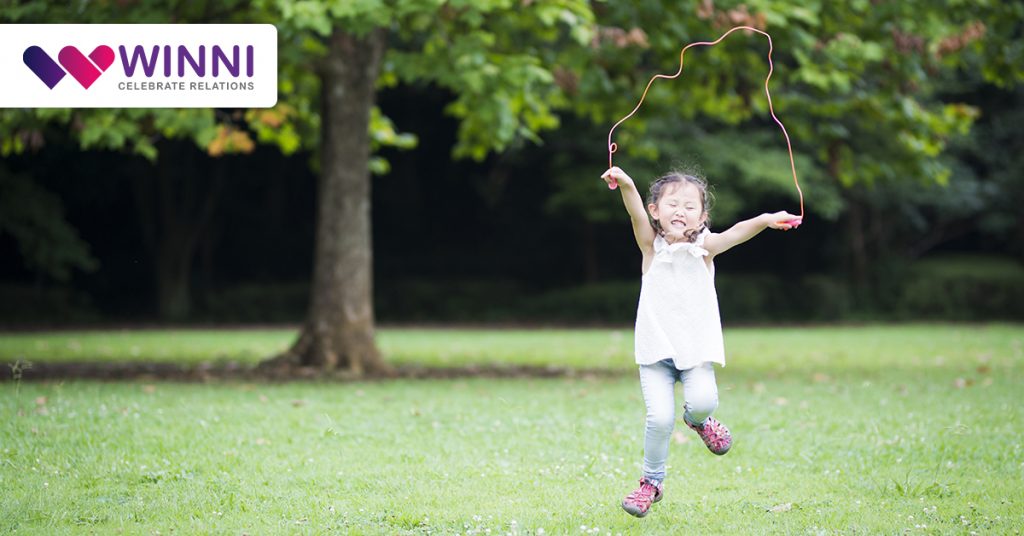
point(485, 126)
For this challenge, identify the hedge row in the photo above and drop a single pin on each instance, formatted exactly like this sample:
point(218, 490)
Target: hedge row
point(963, 288)
point(957, 288)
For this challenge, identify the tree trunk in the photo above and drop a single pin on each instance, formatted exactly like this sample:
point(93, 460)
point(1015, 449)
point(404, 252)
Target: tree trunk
point(592, 266)
point(339, 331)
point(175, 207)
point(856, 243)
point(174, 289)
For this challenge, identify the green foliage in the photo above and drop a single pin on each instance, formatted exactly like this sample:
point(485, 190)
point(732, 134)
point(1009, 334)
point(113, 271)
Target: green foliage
point(605, 303)
point(251, 303)
point(995, 154)
point(40, 305)
point(964, 288)
point(34, 217)
point(454, 300)
point(498, 58)
point(383, 134)
point(855, 84)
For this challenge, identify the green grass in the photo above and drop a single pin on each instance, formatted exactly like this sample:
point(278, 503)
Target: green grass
point(902, 346)
point(838, 431)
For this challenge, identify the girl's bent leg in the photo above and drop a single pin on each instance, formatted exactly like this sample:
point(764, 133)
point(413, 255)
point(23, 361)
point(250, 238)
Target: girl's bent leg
point(657, 382)
point(700, 392)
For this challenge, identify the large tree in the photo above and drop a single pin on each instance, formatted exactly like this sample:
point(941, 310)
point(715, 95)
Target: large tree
point(497, 57)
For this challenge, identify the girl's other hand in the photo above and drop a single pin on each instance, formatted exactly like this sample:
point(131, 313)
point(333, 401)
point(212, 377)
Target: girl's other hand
point(615, 175)
point(783, 220)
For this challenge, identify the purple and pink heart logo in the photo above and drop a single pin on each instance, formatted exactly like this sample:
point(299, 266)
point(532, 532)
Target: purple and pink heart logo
point(84, 69)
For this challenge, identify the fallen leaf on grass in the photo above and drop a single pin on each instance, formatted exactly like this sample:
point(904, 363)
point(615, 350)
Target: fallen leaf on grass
point(261, 441)
point(960, 383)
point(298, 403)
point(784, 507)
point(41, 401)
point(149, 389)
point(680, 438)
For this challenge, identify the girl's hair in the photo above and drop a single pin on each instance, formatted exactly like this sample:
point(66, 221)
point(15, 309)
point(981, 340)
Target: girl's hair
point(663, 184)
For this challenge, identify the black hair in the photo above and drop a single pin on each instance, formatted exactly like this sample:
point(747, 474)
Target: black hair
point(678, 177)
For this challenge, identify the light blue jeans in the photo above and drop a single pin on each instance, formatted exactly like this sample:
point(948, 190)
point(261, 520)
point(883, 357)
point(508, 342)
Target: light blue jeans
point(700, 395)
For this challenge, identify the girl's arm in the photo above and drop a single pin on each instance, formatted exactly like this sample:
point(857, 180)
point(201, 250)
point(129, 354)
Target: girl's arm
point(717, 243)
point(642, 229)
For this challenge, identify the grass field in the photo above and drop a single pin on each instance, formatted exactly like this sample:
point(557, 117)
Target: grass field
point(913, 429)
point(868, 347)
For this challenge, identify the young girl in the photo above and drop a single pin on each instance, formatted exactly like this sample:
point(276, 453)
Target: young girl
point(678, 330)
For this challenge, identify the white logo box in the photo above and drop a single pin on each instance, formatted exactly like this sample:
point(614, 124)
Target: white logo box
point(180, 60)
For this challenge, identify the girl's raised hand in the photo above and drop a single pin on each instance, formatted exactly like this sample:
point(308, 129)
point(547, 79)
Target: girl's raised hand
point(615, 176)
point(784, 221)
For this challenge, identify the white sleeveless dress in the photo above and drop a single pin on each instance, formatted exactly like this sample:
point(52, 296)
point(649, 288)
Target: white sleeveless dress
point(677, 317)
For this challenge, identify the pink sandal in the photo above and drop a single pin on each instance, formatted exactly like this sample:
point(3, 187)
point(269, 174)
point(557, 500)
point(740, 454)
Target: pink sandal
point(639, 502)
point(715, 435)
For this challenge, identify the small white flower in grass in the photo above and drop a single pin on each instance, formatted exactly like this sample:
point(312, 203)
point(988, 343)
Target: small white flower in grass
point(540, 531)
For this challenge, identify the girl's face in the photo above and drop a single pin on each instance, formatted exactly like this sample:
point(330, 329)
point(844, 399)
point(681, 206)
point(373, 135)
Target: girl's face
point(679, 209)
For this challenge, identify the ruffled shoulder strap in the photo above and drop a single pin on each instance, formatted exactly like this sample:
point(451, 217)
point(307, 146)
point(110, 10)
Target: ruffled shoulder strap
point(699, 242)
point(663, 251)
point(660, 243)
